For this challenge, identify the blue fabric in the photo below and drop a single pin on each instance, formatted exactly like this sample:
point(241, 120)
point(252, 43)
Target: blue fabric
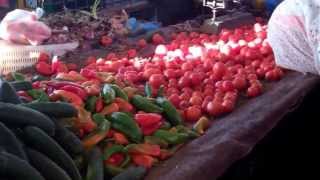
point(272, 4)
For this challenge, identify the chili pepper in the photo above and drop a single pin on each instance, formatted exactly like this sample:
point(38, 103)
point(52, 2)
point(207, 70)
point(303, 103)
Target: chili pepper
point(39, 95)
point(124, 106)
point(70, 77)
point(171, 137)
point(119, 138)
point(170, 111)
point(69, 96)
point(108, 94)
point(110, 133)
point(44, 68)
point(87, 73)
point(58, 66)
point(160, 92)
point(148, 130)
point(109, 109)
point(105, 77)
point(25, 95)
point(60, 84)
point(144, 149)
point(115, 159)
point(88, 127)
point(143, 160)
point(18, 76)
point(155, 140)
point(201, 125)
point(99, 104)
point(109, 151)
point(91, 87)
point(125, 124)
point(36, 85)
point(84, 120)
point(98, 118)
point(145, 104)
point(147, 119)
point(97, 136)
point(130, 91)
point(148, 90)
point(119, 92)
point(191, 133)
point(76, 90)
point(43, 57)
point(91, 103)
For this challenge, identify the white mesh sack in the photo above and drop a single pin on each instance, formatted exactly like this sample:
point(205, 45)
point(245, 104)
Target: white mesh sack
point(294, 34)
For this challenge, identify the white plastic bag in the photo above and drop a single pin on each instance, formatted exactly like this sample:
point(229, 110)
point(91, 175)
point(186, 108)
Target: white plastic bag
point(294, 34)
point(22, 27)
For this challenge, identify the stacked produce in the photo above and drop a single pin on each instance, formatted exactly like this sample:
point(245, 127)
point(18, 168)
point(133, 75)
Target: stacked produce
point(120, 115)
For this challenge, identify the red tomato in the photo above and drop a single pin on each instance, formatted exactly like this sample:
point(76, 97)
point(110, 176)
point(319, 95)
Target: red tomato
point(170, 73)
point(106, 40)
point(44, 68)
point(227, 86)
point(196, 79)
point(185, 96)
point(253, 91)
point(183, 104)
point(218, 70)
point(175, 100)
point(184, 81)
point(187, 66)
point(195, 100)
point(132, 53)
point(142, 43)
point(172, 91)
point(215, 108)
point(239, 83)
point(157, 39)
point(228, 106)
point(43, 57)
point(156, 80)
point(148, 72)
point(192, 114)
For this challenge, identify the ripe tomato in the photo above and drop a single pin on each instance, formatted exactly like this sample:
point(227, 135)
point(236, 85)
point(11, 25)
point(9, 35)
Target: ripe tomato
point(227, 86)
point(239, 83)
point(218, 70)
point(228, 105)
point(157, 39)
point(184, 81)
point(175, 100)
point(187, 66)
point(156, 80)
point(142, 43)
point(192, 114)
point(148, 72)
point(195, 100)
point(185, 96)
point(253, 91)
point(196, 79)
point(184, 104)
point(170, 73)
point(215, 108)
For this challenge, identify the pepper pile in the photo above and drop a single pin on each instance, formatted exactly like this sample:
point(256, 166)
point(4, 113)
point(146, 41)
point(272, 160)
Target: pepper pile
point(124, 127)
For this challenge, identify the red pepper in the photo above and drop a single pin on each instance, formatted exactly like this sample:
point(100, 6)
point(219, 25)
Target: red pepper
point(69, 96)
point(119, 138)
point(43, 57)
point(36, 85)
point(110, 133)
point(109, 109)
point(90, 74)
point(60, 84)
point(148, 130)
point(124, 105)
point(115, 159)
point(145, 149)
point(165, 154)
point(147, 119)
point(58, 66)
point(44, 68)
point(77, 90)
point(91, 87)
point(70, 76)
point(99, 105)
point(25, 95)
point(143, 160)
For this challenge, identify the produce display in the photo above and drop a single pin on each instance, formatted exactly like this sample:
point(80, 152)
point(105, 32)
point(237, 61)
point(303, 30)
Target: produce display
point(120, 115)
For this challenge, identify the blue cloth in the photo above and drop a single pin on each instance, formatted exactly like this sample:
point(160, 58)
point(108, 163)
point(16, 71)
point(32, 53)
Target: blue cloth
point(271, 5)
point(134, 25)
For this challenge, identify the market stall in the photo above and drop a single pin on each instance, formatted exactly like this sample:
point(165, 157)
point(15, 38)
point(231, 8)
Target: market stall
point(168, 103)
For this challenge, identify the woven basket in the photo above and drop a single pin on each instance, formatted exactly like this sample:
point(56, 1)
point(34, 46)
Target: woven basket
point(17, 57)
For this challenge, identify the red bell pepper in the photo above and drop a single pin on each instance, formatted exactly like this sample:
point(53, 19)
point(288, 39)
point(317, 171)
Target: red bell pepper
point(43, 57)
point(148, 130)
point(87, 73)
point(69, 96)
point(143, 160)
point(58, 66)
point(99, 105)
point(147, 119)
point(124, 105)
point(44, 68)
point(77, 90)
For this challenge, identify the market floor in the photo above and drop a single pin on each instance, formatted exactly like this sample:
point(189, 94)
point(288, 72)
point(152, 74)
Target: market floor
point(289, 151)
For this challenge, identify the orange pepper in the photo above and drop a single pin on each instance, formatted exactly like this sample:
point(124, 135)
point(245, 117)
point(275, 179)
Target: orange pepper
point(123, 105)
point(69, 96)
point(113, 107)
point(120, 138)
point(143, 160)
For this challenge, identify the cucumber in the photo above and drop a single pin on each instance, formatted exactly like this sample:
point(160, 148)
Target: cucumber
point(95, 169)
point(48, 169)
point(16, 168)
point(21, 85)
point(19, 116)
point(11, 143)
point(40, 141)
point(8, 93)
point(132, 173)
point(53, 109)
point(67, 140)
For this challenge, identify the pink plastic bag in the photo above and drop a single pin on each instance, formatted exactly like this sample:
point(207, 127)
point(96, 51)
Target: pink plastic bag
point(294, 35)
point(22, 27)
